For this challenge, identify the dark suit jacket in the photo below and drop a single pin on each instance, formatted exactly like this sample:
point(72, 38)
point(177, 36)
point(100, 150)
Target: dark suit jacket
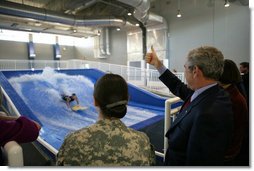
point(201, 132)
point(245, 78)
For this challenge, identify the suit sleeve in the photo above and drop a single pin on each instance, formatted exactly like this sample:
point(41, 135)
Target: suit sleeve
point(175, 85)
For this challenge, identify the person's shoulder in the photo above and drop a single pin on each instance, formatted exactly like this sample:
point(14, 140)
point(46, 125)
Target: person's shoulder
point(138, 133)
point(76, 134)
point(245, 76)
point(86, 131)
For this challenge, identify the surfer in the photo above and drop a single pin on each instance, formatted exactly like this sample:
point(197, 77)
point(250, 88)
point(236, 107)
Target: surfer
point(69, 99)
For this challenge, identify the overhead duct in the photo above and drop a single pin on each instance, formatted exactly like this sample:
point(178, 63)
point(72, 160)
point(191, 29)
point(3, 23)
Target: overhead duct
point(107, 41)
point(141, 8)
point(19, 10)
point(74, 7)
point(155, 17)
point(155, 21)
point(104, 42)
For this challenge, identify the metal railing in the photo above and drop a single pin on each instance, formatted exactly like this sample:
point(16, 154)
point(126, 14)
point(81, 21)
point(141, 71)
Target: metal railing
point(145, 78)
point(170, 115)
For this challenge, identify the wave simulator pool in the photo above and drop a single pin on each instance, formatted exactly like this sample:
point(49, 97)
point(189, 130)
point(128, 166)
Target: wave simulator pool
point(37, 95)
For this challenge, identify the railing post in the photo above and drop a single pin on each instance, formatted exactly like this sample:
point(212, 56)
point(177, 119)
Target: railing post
point(167, 121)
point(14, 154)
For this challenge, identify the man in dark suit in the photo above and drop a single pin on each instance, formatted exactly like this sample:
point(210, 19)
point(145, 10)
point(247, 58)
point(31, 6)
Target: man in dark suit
point(202, 131)
point(244, 154)
point(244, 69)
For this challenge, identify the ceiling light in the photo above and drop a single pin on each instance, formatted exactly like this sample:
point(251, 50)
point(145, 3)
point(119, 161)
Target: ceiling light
point(27, 29)
point(179, 14)
point(118, 29)
point(178, 10)
point(137, 24)
point(227, 4)
point(37, 23)
point(129, 14)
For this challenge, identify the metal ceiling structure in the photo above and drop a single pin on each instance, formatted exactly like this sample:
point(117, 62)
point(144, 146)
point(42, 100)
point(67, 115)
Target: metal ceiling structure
point(78, 18)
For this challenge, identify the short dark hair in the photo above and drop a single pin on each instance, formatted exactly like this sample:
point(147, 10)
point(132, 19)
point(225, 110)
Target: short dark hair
point(231, 74)
point(111, 93)
point(245, 64)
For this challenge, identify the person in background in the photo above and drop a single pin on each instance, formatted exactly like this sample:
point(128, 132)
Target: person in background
point(69, 99)
point(202, 130)
point(244, 69)
point(229, 80)
point(19, 129)
point(108, 142)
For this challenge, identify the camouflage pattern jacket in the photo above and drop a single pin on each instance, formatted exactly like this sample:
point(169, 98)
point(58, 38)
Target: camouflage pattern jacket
point(106, 143)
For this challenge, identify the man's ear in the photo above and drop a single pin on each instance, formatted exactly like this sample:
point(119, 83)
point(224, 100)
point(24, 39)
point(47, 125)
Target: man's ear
point(196, 71)
point(95, 102)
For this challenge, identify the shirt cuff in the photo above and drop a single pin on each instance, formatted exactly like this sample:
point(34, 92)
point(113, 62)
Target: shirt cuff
point(162, 69)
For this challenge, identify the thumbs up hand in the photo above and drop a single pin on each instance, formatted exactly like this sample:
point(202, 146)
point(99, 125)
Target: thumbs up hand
point(152, 58)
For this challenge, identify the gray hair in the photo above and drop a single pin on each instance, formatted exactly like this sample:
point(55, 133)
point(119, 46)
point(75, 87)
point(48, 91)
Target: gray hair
point(208, 59)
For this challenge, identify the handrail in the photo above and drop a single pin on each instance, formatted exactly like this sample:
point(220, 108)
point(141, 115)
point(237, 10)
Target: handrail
point(14, 154)
point(134, 75)
point(168, 114)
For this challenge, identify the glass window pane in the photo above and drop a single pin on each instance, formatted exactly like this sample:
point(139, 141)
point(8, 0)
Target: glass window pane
point(18, 36)
point(44, 38)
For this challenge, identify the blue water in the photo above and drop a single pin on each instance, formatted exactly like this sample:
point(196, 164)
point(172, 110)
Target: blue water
point(42, 94)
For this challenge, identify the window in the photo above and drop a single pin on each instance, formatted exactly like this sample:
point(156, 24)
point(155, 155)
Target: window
point(44, 38)
point(84, 42)
point(18, 36)
point(66, 40)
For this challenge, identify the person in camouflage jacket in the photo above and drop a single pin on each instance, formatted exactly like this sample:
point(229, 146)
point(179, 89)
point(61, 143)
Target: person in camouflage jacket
point(108, 142)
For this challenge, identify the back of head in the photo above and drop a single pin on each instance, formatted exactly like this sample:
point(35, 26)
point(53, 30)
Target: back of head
point(209, 60)
point(231, 74)
point(111, 94)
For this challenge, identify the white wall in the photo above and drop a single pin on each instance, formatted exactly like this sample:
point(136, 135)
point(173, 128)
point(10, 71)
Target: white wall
point(202, 23)
point(13, 50)
point(117, 48)
point(18, 50)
